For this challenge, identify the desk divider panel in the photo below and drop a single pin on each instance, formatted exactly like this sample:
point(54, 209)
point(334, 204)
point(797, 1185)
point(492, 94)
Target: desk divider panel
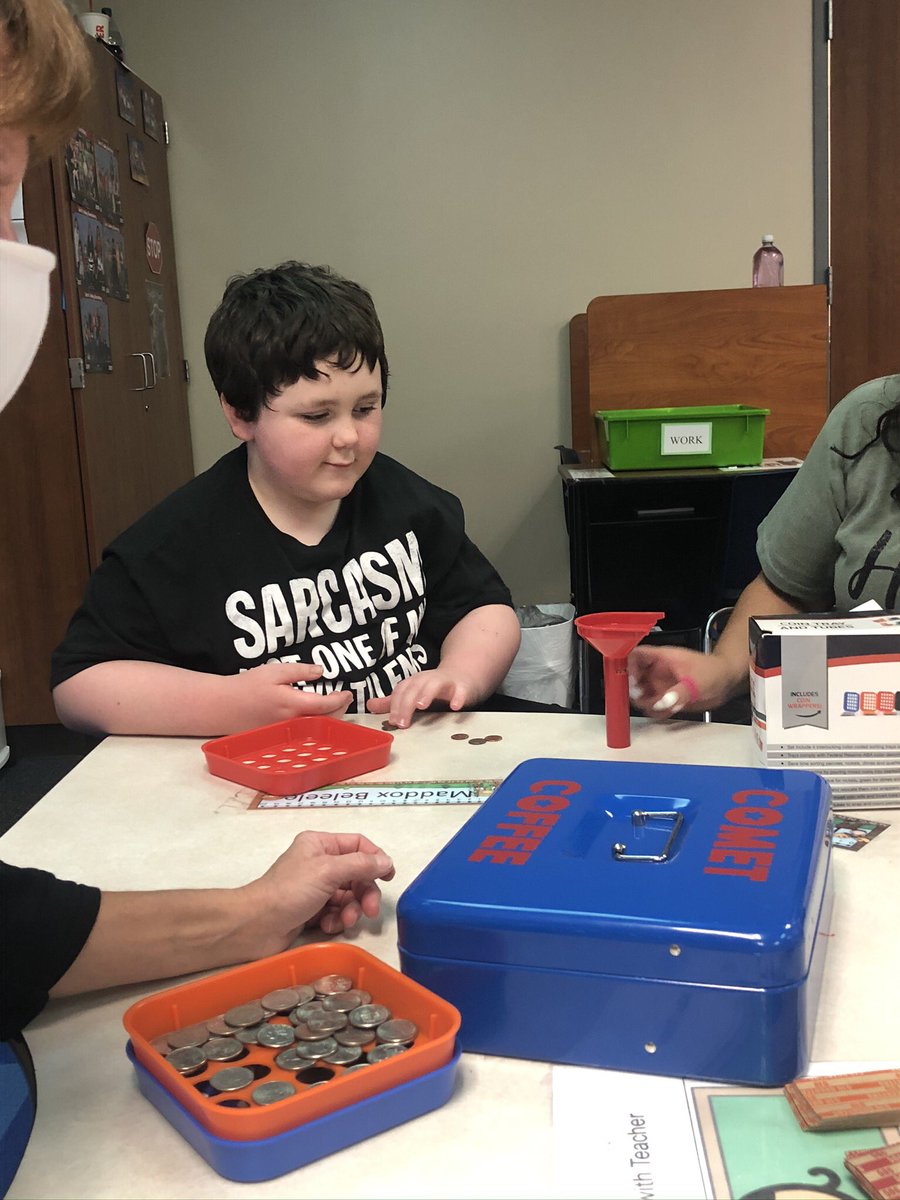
point(763, 347)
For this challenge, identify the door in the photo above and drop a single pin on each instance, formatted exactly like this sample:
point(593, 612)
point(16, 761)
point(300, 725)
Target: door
point(80, 462)
point(864, 191)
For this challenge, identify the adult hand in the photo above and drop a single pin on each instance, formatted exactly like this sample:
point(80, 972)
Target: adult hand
point(665, 680)
point(421, 691)
point(266, 694)
point(322, 879)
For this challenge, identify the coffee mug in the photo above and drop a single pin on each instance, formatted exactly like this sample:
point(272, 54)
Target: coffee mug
point(95, 24)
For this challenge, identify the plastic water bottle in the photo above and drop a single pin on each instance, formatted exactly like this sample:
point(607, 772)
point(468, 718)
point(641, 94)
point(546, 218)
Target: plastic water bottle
point(768, 264)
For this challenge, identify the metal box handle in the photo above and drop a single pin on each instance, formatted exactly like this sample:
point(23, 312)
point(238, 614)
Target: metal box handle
point(639, 817)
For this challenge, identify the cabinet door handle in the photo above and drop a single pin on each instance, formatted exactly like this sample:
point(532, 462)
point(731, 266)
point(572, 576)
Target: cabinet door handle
point(653, 514)
point(143, 358)
point(153, 365)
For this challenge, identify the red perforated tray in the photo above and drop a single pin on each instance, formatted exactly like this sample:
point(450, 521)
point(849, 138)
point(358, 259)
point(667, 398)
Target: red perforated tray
point(299, 755)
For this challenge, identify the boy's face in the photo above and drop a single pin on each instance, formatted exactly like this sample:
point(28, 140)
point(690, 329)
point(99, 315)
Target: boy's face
point(314, 441)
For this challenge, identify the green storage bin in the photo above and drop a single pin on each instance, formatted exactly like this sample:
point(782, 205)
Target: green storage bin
point(716, 435)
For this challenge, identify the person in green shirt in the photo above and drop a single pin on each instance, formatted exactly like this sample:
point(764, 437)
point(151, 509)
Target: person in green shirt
point(831, 542)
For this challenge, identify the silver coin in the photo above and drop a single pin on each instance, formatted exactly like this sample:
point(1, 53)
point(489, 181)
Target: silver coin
point(351, 1036)
point(281, 1000)
point(270, 1093)
point(344, 1056)
point(232, 1079)
point(357, 1066)
point(275, 1035)
point(247, 1036)
point(219, 1027)
point(244, 1015)
point(397, 1030)
point(385, 1050)
point(291, 1059)
point(187, 1060)
point(191, 1035)
point(326, 1023)
point(302, 1011)
point(328, 985)
point(305, 1033)
point(346, 1001)
point(320, 1049)
point(367, 1016)
point(161, 1045)
point(223, 1049)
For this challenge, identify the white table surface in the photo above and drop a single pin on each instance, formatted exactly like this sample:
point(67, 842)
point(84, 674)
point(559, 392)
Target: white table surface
point(144, 813)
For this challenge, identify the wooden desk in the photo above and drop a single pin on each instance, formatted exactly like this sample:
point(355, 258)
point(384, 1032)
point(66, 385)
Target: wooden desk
point(143, 812)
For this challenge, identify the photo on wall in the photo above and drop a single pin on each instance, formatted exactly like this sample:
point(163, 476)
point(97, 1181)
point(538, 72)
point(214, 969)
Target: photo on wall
point(152, 118)
point(81, 169)
point(159, 341)
point(108, 189)
point(87, 236)
point(114, 267)
point(125, 96)
point(137, 162)
point(95, 334)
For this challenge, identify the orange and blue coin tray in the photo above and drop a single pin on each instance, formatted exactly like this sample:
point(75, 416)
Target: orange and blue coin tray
point(646, 917)
point(252, 1143)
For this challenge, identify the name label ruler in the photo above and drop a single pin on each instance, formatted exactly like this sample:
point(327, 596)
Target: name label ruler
point(351, 794)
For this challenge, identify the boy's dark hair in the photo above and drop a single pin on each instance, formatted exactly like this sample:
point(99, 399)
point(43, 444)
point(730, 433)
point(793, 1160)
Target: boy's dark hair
point(275, 324)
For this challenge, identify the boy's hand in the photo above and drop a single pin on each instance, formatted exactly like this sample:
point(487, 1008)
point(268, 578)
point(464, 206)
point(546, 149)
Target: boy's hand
point(265, 694)
point(421, 691)
point(323, 879)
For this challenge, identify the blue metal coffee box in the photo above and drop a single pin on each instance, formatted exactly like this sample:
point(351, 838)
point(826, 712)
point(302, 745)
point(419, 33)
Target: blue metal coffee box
point(643, 917)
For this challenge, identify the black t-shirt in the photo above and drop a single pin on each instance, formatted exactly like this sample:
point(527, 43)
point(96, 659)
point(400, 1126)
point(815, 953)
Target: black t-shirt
point(45, 923)
point(205, 581)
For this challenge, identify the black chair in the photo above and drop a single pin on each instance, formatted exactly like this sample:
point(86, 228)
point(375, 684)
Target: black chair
point(736, 711)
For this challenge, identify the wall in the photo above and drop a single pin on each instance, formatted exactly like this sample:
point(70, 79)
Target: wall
point(484, 167)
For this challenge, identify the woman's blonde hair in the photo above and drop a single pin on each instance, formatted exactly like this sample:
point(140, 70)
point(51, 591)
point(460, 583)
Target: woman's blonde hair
point(45, 69)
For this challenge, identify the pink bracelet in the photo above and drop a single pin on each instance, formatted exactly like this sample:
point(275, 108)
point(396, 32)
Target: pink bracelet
point(692, 690)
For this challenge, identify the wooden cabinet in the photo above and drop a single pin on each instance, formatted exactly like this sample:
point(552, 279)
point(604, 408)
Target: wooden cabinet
point(81, 461)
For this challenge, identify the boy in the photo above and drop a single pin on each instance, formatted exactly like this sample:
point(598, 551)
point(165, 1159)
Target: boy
point(304, 557)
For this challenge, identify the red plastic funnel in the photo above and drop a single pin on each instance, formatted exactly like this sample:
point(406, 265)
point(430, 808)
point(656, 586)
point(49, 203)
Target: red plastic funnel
point(615, 635)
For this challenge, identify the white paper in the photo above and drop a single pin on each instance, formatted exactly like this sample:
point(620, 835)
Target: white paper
point(621, 1136)
point(624, 1136)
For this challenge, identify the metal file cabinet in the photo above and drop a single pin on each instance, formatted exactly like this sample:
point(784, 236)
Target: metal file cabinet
point(679, 542)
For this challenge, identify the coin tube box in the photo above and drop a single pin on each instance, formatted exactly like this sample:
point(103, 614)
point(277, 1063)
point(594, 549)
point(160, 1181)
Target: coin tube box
point(192, 1105)
point(634, 916)
point(825, 694)
point(299, 755)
